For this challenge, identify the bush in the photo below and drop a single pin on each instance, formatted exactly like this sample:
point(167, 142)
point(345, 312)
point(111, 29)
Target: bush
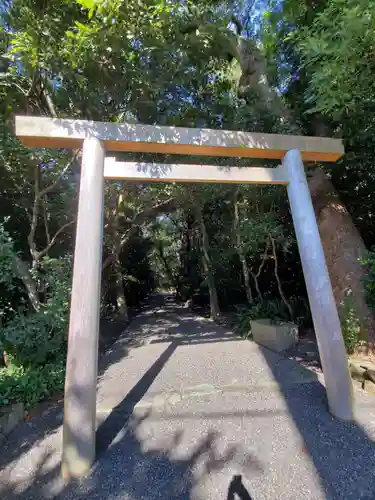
point(31, 384)
point(34, 339)
point(369, 280)
point(271, 309)
point(350, 325)
point(35, 343)
point(12, 291)
point(274, 310)
point(38, 338)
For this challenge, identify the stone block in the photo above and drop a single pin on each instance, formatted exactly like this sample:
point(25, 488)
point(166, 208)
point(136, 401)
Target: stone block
point(368, 386)
point(275, 336)
point(356, 371)
point(10, 416)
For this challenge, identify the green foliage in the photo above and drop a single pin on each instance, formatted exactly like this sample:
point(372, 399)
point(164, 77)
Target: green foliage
point(337, 47)
point(165, 250)
point(31, 384)
point(39, 338)
point(11, 290)
point(369, 262)
point(33, 339)
point(137, 274)
point(274, 310)
point(57, 276)
point(6, 253)
point(350, 324)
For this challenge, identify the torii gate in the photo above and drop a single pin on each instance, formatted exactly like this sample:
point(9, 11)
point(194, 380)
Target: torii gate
point(99, 137)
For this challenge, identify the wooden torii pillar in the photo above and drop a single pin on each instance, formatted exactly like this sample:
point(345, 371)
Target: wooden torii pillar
point(96, 138)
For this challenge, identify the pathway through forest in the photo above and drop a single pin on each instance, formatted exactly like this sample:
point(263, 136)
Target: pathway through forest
point(184, 408)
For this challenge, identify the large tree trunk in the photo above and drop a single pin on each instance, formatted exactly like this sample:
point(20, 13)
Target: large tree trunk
point(207, 268)
point(343, 249)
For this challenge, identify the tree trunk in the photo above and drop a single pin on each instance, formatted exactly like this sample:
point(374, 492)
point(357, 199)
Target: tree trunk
point(121, 305)
point(21, 270)
point(207, 267)
point(183, 283)
point(260, 268)
point(256, 283)
point(134, 224)
point(278, 281)
point(241, 253)
point(165, 262)
point(343, 249)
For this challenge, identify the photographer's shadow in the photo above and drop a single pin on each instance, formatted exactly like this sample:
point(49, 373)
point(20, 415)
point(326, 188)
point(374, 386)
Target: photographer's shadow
point(237, 490)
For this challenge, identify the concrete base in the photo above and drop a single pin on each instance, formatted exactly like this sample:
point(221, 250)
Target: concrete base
point(10, 416)
point(277, 337)
point(368, 386)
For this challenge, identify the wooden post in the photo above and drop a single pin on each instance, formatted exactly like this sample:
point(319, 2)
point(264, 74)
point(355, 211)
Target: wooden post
point(82, 362)
point(323, 308)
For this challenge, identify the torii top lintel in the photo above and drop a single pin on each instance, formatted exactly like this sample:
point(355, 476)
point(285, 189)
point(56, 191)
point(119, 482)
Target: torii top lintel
point(70, 134)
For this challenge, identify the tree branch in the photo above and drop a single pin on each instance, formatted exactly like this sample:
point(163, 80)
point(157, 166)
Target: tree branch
point(137, 221)
point(43, 252)
point(34, 216)
point(52, 186)
point(38, 195)
point(279, 286)
point(265, 255)
point(240, 250)
point(45, 217)
point(256, 275)
point(237, 23)
point(50, 105)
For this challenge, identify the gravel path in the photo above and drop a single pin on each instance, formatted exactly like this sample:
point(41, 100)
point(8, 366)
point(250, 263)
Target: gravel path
point(187, 410)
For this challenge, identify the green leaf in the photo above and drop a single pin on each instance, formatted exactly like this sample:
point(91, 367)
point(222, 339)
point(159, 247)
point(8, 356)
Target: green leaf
point(87, 4)
point(81, 26)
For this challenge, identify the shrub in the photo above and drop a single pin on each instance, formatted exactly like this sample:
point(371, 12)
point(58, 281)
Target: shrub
point(242, 320)
point(369, 280)
point(301, 311)
point(350, 324)
point(12, 292)
point(35, 343)
point(34, 339)
point(38, 338)
point(274, 310)
point(31, 384)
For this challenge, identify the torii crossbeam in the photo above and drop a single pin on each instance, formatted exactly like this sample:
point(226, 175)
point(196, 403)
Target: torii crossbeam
point(97, 138)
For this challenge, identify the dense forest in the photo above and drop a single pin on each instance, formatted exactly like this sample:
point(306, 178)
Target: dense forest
point(278, 66)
